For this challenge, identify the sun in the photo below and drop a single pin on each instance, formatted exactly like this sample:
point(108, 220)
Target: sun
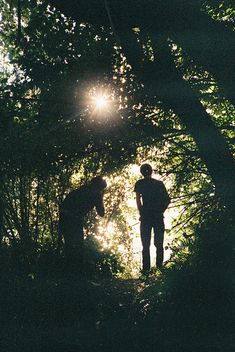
point(101, 102)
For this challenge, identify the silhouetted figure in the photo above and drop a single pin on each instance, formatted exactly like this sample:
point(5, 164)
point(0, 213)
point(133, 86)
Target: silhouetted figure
point(73, 211)
point(152, 200)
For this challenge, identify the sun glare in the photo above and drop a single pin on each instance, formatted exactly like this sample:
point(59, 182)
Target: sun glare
point(101, 102)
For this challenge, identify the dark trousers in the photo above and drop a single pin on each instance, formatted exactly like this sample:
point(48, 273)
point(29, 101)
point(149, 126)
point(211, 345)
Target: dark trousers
point(72, 230)
point(146, 226)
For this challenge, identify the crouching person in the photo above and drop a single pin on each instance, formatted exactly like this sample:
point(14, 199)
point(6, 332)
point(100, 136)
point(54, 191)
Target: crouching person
point(73, 211)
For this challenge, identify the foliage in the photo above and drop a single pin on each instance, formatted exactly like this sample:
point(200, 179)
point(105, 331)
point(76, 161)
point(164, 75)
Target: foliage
point(194, 295)
point(52, 140)
point(48, 137)
point(189, 303)
point(50, 132)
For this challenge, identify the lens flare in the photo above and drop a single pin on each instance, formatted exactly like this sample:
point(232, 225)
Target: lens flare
point(101, 102)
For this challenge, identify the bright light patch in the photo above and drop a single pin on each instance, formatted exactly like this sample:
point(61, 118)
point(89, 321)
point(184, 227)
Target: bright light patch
point(101, 102)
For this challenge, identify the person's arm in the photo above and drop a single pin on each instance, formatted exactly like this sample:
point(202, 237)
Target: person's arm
point(138, 201)
point(165, 198)
point(99, 205)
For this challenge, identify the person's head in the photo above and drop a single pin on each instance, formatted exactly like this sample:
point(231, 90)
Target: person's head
point(99, 183)
point(146, 170)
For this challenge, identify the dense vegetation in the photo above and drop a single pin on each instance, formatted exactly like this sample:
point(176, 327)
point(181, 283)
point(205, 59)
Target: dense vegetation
point(169, 78)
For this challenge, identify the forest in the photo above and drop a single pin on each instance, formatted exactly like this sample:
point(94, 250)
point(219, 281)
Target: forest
point(99, 87)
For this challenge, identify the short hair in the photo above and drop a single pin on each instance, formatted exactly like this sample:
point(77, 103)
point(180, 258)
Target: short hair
point(146, 170)
point(99, 182)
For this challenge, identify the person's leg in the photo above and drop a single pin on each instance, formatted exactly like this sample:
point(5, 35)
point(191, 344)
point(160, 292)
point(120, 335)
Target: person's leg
point(159, 228)
point(79, 246)
point(145, 233)
point(74, 238)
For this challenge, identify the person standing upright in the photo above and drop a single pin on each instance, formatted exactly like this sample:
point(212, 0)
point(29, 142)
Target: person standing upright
point(152, 200)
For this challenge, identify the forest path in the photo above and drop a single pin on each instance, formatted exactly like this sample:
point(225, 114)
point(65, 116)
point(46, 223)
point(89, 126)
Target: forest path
point(75, 314)
point(70, 313)
point(120, 295)
point(116, 325)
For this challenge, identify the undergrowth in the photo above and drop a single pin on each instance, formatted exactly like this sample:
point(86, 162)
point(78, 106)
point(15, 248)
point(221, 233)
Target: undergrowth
point(187, 306)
